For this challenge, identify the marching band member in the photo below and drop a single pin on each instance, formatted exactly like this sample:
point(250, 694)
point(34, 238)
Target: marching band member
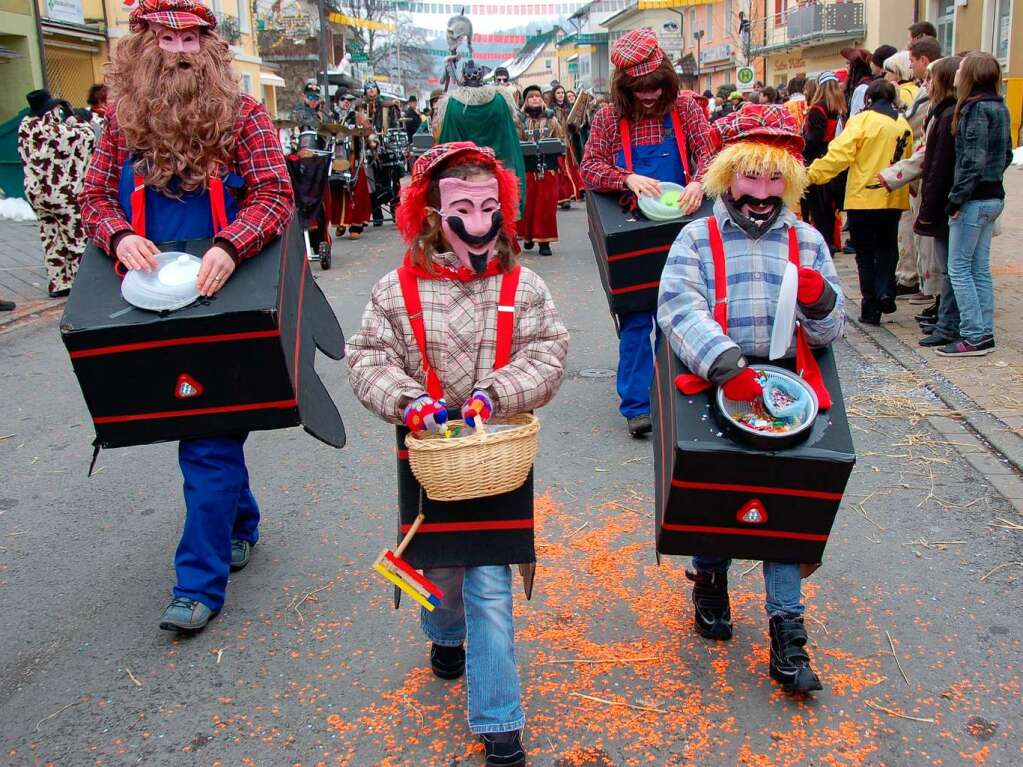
point(539, 223)
point(570, 183)
point(652, 131)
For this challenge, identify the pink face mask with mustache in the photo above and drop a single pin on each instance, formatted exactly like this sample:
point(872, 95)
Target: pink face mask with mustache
point(471, 220)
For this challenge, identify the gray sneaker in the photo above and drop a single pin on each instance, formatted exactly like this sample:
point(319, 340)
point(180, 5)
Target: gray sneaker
point(241, 553)
point(186, 615)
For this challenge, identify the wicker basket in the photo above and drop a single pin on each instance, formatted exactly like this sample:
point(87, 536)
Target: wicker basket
point(475, 466)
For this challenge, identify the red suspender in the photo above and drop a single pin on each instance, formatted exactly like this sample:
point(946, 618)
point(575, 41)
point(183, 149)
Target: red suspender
point(505, 322)
point(506, 317)
point(410, 292)
point(218, 204)
point(680, 140)
point(717, 251)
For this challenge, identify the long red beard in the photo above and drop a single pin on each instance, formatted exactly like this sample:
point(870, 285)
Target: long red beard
point(177, 110)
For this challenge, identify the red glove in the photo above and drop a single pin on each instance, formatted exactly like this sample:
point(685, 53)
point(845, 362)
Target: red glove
point(743, 387)
point(811, 286)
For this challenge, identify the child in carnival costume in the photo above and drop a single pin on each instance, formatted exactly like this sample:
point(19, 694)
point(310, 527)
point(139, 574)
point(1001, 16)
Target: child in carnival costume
point(758, 178)
point(431, 336)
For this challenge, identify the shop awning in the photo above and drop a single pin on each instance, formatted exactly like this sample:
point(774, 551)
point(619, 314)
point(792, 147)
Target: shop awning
point(269, 78)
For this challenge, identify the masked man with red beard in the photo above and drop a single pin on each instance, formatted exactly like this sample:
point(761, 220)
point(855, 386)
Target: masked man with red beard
point(650, 132)
point(186, 156)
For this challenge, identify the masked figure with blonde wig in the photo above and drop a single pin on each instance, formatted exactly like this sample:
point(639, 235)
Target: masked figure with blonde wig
point(185, 155)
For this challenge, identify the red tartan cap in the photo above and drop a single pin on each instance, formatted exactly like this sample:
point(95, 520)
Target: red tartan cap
point(440, 153)
point(766, 123)
point(637, 52)
point(176, 14)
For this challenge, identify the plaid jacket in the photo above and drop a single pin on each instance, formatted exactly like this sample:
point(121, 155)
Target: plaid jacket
point(598, 167)
point(264, 210)
point(386, 369)
point(685, 305)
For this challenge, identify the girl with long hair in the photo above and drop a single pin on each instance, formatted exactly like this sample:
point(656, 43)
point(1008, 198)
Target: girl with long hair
point(983, 150)
point(431, 336)
point(824, 115)
point(570, 183)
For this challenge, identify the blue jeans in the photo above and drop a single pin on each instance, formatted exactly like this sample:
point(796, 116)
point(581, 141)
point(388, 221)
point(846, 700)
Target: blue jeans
point(781, 582)
point(635, 362)
point(219, 506)
point(948, 310)
point(969, 267)
point(477, 609)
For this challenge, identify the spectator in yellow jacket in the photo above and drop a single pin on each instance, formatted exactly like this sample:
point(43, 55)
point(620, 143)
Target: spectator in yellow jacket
point(870, 142)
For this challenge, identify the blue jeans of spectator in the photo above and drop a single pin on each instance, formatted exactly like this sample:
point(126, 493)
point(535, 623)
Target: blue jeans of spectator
point(219, 506)
point(635, 362)
point(781, 582)
point(947, 324)
point(969, 267)
point(477, 609)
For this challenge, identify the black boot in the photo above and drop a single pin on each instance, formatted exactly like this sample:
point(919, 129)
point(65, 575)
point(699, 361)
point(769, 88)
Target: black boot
point(447, 662)
point(790, 662)
point(528, 245)
point(930, 314)
point(504, 749)
point(545, 249)
point(713, 614)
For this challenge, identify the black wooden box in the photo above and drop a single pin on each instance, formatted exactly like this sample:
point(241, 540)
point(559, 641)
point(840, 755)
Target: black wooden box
point(631, 250)
point(240, 361)
point(719, 498)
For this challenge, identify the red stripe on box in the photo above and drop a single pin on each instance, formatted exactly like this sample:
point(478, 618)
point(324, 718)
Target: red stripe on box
point(472, 527)
point(733, 531)
point(213, 339)
point(728, 488)
point(275, 405)
point(634, 288)
point(635, 253)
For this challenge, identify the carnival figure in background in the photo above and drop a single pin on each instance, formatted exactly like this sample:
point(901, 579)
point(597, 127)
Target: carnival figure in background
point(758, 178)
point(54, 147)
point(539, 224)
point(350, 204)
point(309, 114)
point(182, 140)
point(570, 183)
point(459, 39)
point(485, 115)
point(385, 176)
point(431, 339)
point(651, 132)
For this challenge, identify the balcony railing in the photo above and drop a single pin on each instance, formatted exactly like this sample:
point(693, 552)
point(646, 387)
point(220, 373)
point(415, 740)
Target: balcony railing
point(811, 24)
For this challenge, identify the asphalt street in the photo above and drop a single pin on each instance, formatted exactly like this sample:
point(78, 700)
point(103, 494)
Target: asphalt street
point(915, 624)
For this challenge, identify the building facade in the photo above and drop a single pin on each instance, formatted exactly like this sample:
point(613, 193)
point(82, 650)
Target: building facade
point(21, 61)
point(993, 26)
point(74, 46)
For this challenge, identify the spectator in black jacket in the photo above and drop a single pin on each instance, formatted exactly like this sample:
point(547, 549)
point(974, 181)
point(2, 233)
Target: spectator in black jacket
point(821, 203)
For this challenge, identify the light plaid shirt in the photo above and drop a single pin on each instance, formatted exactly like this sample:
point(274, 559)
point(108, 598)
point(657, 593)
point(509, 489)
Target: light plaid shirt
point(386, 369)
point(685, 305)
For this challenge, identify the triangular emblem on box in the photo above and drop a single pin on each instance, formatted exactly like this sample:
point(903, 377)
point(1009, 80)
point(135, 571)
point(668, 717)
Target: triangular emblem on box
point(752, 513)
point(187, 387)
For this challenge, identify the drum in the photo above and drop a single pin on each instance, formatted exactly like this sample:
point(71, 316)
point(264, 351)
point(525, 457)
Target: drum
point(310, 139)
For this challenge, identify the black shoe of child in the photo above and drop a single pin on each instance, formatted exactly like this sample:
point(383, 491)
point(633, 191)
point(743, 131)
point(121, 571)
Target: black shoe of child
point(545, 249)
point(504, 749)
point(712, 615)
point(447, 662)
point(528, 245)
point(790, 662)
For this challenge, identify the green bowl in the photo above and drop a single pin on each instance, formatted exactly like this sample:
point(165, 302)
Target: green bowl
point(664, 208)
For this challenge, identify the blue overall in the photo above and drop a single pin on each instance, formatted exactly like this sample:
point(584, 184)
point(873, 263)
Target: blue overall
point(219, 505)
point(635, 350)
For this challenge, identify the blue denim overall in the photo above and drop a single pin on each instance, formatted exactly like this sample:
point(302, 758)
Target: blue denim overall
point(219, 505)
point(635, 350)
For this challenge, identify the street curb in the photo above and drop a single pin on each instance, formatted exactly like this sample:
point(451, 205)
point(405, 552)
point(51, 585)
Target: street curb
point(998, 436)
point(10, 321)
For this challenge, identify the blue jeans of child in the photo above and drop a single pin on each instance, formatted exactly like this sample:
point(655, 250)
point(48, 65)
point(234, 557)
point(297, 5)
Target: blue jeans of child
point(781, 582)
point(635, 362)
point(218, 507)
point(477, 609)
point(948, 310)
point(969, 267)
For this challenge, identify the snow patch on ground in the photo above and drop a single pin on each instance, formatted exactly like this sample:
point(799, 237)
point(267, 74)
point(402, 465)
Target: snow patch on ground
point(16, 209)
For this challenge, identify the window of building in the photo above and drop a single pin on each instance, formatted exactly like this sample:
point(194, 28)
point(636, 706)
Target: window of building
point(247, 84)
point(729, 28)
point(709, 29)
point(1000, 30)
point(945, 14)
point(547, 63)
point(243, 16)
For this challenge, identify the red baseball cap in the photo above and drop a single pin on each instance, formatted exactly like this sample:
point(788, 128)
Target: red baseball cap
point(637, 52)
point(176, 14)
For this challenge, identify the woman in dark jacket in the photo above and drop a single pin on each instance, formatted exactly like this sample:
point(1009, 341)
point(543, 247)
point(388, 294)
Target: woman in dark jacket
point(820, 206)
point(938, 173)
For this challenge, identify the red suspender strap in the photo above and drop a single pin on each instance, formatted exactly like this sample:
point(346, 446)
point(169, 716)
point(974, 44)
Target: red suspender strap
point(806, 363)
point(506, 317)
point(623, 129)
point(717, 250)
point(680, 139)
point(138, 205)
point(413, 306)
point(218, 203)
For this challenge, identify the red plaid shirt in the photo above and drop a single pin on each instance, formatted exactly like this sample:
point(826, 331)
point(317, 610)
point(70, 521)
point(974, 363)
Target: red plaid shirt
point(263, 212)
point(598, 167)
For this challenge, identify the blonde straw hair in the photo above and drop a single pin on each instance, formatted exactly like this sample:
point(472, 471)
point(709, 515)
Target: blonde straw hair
point(754, 158)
